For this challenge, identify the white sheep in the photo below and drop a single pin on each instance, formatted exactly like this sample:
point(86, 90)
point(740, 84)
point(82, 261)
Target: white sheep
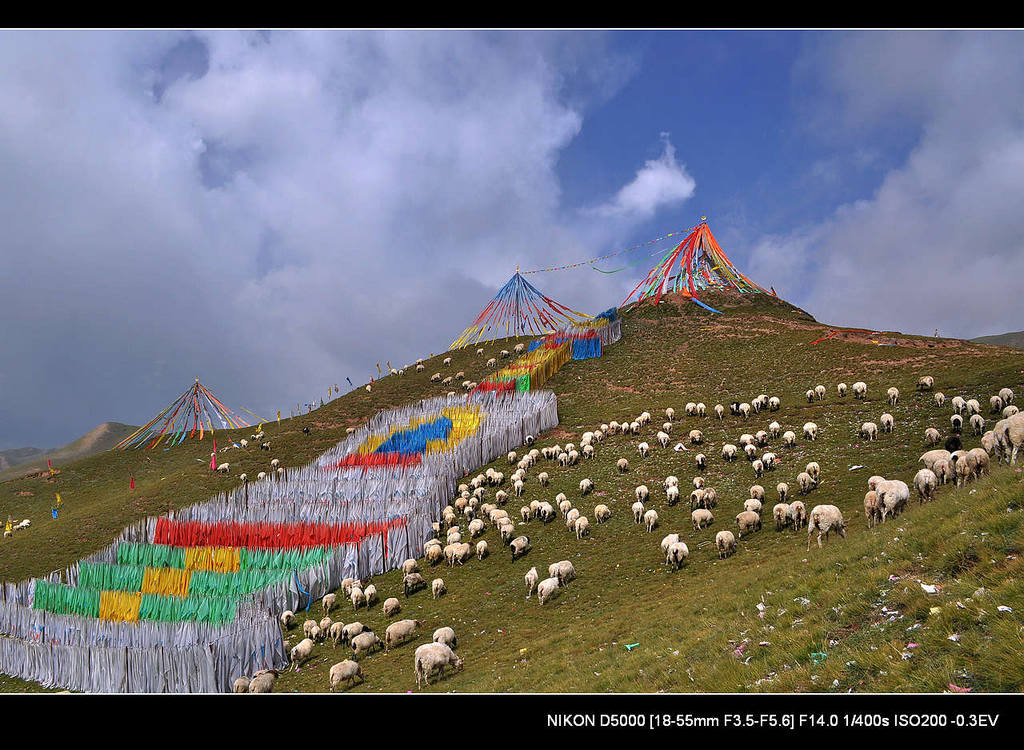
point(893, 395)
point(888, 422)
point(400, 631)
point(677, 554)
point(447, 637)
point(719, 411)
point(546, 589)
point(622, 465)
point(725, 543)
point(531, 579)
point(602, 513)
point(347, 671)
point(431, 657)
point(860, 389)
point(650, 520)
point(789, 438)
point(824, 519)
point(301, 651)
point(563, 571)
point(638, 512)
point(811, 430)
point(841, 388)
point(748, 521)
point(925, 482)
point(869, 430)
point(701, 518)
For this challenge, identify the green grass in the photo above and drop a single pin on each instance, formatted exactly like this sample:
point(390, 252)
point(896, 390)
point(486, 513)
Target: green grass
point(689, 623)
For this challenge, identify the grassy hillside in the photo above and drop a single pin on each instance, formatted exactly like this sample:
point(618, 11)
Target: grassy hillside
point(858, 601)
point(1014, 339)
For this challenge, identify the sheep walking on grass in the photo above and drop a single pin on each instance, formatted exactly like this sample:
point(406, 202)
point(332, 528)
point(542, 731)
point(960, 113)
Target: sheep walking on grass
point(825, 519)
point(434, 657)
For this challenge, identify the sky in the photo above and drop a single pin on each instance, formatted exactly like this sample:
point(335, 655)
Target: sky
point(273, 212)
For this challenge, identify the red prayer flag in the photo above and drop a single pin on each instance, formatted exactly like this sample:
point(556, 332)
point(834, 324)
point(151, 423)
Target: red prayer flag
point(131, 484)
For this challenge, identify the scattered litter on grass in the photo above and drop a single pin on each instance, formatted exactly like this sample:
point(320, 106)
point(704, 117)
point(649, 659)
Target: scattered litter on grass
point(930, 588)
point(858, 466)
point(631, 646)
point(819, 657)
point(1004, 608)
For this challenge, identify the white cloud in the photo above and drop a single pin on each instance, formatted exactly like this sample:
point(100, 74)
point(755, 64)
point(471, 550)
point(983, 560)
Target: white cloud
point(940, 242)
point(659, 183)
point(271, 213)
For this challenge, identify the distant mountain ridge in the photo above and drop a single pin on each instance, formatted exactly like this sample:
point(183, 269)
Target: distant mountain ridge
point(1014, 339)
point(15, 456)
point(30, 460)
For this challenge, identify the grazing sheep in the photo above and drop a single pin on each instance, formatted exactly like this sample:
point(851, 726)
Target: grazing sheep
point(753, 504)
point(358, 598)
point(345, 671)
point(925, 383)
point(531, 579)
point(398, 632)
point(643, 449)
point(602, 513)
point(825, 519)
point(701, 461)
point(622, 465)
point(701, 517)
point(543, 478)
point(581, 527)
point(841, 388)
point(672, 495)
point(774, 404)
point(809, 395)
point(729, 452)
point(872, 508)
point(677, 554)
point(757, 492)
point(973, 407)
point(481, 549)
point(702, 409)
point(978, 423)
point(925, 482)
point(223, 468)
point(638, 512)
point(781, 515)
point(263, 681)
point(892, 496)
point(932, 436)
point(431, 657)
point(814, 470)
point(287, 618)
point(392, 606)
point(719, 411)
point(370, 594)
point(893, 395)
point(366, 642)
point(641, 492)
point(563, 571)
point(797, 514)
point(650, 520)
point(1009, 411)
point(860, 389)
point(546, 589)
point(789, 438)
point(783, 489)
point(447, 637)
point(888, 422)
point(957, 423)
point(745, 410)
point(819, 392)
point(806, 482)
point(748, 521)
point(301, 651)
point(670, 413)
point(869, 430)
point(241, 685)
point(725, 543)
point(412, 583)
point(930, 457)
point(758, 467)
point(520, 546)
point(811, 431)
